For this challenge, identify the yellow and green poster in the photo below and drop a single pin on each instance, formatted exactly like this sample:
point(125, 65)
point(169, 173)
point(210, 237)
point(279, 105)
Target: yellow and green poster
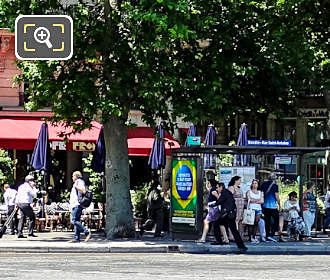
point(184, 194)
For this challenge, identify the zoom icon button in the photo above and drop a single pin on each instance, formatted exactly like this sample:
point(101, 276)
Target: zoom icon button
point(48, 37)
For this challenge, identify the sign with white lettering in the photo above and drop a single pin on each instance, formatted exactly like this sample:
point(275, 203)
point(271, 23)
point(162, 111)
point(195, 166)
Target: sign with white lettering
point(58, 145)
point(72, 146)
point(275, 143)
point(184, 194)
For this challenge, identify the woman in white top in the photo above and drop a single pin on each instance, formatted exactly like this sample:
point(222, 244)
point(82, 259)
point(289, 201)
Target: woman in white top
point(255, 199)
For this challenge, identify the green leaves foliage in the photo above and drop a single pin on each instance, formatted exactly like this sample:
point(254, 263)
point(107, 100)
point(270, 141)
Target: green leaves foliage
point(7, 166)
point(193, 59)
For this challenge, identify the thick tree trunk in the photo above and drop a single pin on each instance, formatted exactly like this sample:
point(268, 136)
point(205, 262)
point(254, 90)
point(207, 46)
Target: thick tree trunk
point(119, 211)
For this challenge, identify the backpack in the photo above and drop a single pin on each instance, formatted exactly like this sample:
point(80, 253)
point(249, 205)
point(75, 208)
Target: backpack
point(86, 199)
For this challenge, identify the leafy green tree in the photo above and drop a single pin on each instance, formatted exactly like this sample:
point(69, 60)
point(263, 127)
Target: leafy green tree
point(95, 179)
point(6, 170)
point(169, 59)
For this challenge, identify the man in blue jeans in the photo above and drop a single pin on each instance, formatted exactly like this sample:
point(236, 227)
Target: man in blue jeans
point(79, 188)
point(271, 202)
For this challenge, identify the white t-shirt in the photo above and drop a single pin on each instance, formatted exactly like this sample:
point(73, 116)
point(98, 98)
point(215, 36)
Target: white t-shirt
point(73, 195)
point(26, 193)
point(255, 206)
point(10, 197)
point(292, 213)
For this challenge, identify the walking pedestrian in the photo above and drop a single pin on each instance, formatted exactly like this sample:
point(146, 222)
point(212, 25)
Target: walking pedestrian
point(9, 196)
point(214, 212)
point(309, 208)
point(271, 202)
point(77, 191)
point(327, 211)
point(25, 194)
point(228, 218)
point(234, 187)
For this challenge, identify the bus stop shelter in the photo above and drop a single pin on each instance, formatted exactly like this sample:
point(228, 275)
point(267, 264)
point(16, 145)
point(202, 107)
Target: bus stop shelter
point(187, 180)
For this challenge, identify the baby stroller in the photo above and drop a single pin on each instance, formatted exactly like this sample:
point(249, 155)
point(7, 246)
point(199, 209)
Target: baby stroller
point(7, 223)
point(296, 229)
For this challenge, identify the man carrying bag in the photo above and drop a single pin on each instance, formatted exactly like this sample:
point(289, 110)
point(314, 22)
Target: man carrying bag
point(227, 218)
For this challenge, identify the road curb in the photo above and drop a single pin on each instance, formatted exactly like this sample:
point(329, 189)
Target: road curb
point(172, 248)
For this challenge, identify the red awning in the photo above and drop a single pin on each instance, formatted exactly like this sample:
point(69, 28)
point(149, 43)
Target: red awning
point(22, 134)
point(143, 146)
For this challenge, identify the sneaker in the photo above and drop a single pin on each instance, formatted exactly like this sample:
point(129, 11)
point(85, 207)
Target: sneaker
point(88, 236)
point(254, 241)
point(32, 235)
point(21, 236)
point(271, 238)
point(263, 239)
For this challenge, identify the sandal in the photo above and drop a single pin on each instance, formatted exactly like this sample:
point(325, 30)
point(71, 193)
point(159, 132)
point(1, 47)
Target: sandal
point(200, 241)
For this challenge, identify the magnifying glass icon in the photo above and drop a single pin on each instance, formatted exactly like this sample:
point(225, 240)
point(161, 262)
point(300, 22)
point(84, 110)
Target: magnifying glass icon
point(41, 35)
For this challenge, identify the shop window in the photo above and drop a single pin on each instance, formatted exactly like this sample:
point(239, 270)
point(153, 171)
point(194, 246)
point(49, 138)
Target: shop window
point(316, 132)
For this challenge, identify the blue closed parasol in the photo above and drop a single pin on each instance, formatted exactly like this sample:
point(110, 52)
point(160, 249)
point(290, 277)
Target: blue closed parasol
point(209, 160)
point(41, 159)
point(241, 160)
point(98, 161)
point(157, 157)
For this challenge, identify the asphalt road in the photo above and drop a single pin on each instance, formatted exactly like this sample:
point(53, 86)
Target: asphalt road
point(163, 266)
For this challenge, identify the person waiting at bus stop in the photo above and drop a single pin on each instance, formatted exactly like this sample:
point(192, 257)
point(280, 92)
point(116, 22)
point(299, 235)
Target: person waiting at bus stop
point(227, 218)
point(271, 203)
point(155, 209)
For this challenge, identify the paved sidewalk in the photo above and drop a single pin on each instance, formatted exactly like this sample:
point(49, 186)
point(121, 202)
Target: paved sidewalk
point(57, 242)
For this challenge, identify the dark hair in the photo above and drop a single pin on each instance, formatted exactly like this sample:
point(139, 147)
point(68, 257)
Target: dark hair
point(309, 185)
point(255, 180)
point(213, 183)
point(222, 184)
point(233, 180)
point(291, 194)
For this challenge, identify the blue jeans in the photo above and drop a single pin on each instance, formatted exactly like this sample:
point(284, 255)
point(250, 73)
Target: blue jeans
point(327, 219)
point(75, 220)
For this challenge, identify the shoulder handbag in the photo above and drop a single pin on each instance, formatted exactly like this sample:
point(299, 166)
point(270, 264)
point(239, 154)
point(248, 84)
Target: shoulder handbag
point(248, 216)
point(226, 213)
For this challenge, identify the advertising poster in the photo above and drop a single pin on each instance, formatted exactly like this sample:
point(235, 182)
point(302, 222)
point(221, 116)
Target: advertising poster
point(184, 194)
point(247, 174)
